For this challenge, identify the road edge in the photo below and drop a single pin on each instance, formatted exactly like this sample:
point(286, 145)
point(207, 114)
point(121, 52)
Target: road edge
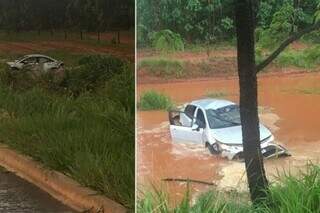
point(58, 185)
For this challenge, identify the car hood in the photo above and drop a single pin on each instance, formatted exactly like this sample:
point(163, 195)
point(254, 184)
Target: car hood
point(11, 63)
point(233, 135)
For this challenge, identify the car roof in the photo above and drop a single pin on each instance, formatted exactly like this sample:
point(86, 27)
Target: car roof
point(37, 55)
point(211, 103)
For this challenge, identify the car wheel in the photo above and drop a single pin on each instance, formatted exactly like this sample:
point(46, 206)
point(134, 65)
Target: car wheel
point(214, 148)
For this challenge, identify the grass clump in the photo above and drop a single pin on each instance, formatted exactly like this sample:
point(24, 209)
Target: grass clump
point(291, 194)
point(163, 67)
point(310, 91)
point(83, 135)
point(216, 94)
point(152, 100)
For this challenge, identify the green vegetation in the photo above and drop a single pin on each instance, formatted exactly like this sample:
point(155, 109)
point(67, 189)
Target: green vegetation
point(166, 40)
point(216, 94)
point(290, 194)
point(209, 22)
point(307, 58)
point(81, 125)
point(310, 91)
point(152, 100)
point(163, 67)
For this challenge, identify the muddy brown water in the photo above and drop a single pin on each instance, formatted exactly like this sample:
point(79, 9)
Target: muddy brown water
point(19, 196)
point(291, 115)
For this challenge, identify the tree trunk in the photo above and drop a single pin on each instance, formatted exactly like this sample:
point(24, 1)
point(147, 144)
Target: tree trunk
point(65, 35)
point(257, 180)
point(118, 36)
point(81, 35)
point(98, 35)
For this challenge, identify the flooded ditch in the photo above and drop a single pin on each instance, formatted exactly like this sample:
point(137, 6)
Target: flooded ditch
point(291, 115)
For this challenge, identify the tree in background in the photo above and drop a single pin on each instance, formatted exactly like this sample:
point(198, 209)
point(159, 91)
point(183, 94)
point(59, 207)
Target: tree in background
point(208, 21)
point(81, 15)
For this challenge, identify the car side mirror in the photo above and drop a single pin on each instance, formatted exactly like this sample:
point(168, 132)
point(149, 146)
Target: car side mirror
point(195, 127)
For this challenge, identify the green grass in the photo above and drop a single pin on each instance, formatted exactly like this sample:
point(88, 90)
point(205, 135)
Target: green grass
point(289, 194)
point(163, 67)
point(216, 94)
point(310, 91)
point(308, 58)
point(222, 45)
point(152, 100)
point(88, 136)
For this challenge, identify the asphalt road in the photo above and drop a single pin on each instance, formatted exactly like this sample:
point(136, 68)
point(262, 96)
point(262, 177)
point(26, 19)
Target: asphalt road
point(19, 196)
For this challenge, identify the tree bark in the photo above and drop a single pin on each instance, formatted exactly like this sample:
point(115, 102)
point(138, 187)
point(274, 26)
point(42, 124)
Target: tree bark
point(245, 20)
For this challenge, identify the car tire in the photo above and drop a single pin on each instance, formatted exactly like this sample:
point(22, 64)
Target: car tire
point(214, 148)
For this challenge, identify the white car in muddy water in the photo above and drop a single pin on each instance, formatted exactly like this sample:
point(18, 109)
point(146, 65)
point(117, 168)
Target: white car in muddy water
point(216, 124)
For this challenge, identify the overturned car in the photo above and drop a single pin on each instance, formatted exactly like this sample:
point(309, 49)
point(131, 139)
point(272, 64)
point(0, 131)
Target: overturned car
point(216, 124)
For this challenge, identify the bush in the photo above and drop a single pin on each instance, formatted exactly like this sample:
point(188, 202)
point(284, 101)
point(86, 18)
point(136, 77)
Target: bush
point(166, 40)
point(91, 73)
point(152, 100)
point(163, 67)
point(308, 58)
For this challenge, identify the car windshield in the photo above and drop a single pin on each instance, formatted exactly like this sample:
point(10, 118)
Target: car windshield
point(227, 116)
point(22, 57)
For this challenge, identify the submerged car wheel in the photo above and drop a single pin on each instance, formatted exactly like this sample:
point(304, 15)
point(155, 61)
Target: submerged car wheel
point(214, 148)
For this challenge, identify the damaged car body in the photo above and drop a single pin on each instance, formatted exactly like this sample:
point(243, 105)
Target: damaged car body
point(216, 124)
point(36, 62)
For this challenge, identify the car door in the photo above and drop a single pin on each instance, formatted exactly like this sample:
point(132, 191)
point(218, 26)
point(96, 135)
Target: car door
point(187, 132)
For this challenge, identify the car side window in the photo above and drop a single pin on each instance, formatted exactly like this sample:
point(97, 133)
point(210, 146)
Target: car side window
point(29, 60)
point(200, 120)
point(44, 60)
point(189, 111)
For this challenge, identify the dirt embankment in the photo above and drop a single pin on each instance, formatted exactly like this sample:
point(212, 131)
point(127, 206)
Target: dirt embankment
point(125, 50)
point(203, 65)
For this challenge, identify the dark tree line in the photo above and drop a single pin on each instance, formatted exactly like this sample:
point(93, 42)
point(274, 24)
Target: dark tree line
point(211, 20)
point(66, 15)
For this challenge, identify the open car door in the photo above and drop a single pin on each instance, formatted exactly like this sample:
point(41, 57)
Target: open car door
point(182, 128)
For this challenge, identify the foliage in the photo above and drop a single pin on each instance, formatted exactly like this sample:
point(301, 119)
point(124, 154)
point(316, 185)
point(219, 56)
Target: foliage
point(163, 67)
point(152, 100)
point(166, 40)
point(308, 58)
point(211, 21)
point(83, 136)
point(291, 194)
point(66, 14)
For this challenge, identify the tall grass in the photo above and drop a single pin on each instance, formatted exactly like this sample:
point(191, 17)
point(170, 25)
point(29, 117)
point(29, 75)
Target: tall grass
point(290, 194)
point(89, 137)
point(163, 67)
point(152, 100)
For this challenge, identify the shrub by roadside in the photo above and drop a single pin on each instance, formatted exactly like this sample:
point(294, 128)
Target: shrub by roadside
point(152, 100)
